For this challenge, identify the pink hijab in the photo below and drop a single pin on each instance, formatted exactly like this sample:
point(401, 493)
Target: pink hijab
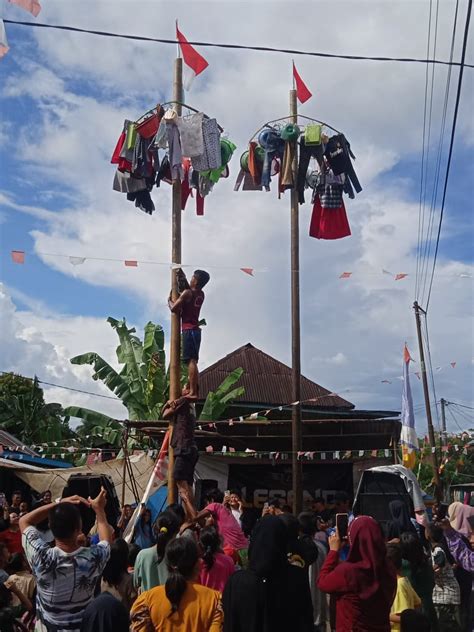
point(458, 515)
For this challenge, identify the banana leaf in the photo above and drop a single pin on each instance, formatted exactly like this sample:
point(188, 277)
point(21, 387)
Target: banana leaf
point(216, 402)
point(108, 375)
point(154, 359)
point(128, 357)
point(89, 416)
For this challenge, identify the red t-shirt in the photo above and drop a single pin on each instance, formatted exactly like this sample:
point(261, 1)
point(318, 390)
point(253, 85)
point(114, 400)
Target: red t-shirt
point(13, 540)
point(191, 310)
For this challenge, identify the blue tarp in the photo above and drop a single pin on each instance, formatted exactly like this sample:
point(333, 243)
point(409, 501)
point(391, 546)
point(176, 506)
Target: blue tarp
point(158, 502)
point(34, 460)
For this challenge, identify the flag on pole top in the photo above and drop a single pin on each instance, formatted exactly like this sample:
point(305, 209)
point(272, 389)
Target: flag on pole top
point(194, 62)
point(4, 48)
point(32, 6)
point(408, 438)
point(302, 90)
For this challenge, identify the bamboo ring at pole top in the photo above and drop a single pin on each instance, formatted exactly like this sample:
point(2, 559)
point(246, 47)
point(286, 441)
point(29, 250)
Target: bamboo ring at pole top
point(276, 125)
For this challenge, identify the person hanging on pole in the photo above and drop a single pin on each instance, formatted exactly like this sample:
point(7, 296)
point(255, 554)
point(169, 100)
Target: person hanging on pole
point(181, 412)
point(188, 305)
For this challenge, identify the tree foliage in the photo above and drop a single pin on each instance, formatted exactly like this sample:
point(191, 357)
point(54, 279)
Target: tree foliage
point(24, 413)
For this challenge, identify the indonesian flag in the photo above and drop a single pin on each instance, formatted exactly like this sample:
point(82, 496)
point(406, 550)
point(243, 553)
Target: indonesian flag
point(4, 48)
point(157, 479)
point(302, 91)
point(408, 438)
point(193, 61)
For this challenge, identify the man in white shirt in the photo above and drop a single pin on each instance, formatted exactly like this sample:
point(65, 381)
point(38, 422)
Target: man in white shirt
point(66, 575)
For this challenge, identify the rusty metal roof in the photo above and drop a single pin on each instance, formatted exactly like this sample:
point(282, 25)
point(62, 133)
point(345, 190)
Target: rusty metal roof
point(267, 381)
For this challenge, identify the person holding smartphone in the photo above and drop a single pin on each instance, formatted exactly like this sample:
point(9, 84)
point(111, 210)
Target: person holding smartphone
point(364, 586)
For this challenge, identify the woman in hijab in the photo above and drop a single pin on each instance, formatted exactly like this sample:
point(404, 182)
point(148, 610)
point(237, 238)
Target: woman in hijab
point(272, 595)
point(365, 584)
point(458, 517)
point(401, 521)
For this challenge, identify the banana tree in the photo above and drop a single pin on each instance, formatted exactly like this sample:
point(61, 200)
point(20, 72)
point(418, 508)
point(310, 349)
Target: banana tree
point(142, 384)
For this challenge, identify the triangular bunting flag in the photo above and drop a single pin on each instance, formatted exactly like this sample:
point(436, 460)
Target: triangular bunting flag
point(194, 61)
point(18, 256)
point(76, 261)
point(345, 275)
point(130, 263)
point(302, 90)
point(248, 271)
point(400, 276)
point(453, 364)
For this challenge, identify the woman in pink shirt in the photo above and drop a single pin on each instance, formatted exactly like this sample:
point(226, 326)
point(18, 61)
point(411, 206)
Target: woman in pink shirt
point(216, 567)
point(227, 526)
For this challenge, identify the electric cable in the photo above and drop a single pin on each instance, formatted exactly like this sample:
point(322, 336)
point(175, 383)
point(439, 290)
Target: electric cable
point(266, 49)
point(451, 145)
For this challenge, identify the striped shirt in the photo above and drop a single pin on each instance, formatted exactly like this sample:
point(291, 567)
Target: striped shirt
point(65, 581)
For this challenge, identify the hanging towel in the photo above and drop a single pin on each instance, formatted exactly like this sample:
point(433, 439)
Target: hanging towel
point(175, 153)
point(211, 156)
point(190, 130)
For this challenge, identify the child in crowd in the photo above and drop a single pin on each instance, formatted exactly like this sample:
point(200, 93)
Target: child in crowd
point(405, 598)
point(216, 567)
point(446, 593)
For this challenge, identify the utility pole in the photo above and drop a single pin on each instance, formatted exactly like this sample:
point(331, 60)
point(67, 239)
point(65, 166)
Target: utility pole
point(434, 457)
point(296, 431)
point(175, 337)
point(443, 421)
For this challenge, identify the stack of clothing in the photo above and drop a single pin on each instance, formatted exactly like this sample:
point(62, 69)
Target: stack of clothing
point(165, 147)
point(324, 165)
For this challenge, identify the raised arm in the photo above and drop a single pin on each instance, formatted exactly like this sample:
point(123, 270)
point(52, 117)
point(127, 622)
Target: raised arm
point(105, 530)
point(461, 552)
point(38, 515)
point(177, 305)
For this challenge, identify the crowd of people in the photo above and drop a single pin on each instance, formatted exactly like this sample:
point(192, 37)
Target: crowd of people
point(212, 573)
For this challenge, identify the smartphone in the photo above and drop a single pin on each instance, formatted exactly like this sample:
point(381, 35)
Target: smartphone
point(342, 525)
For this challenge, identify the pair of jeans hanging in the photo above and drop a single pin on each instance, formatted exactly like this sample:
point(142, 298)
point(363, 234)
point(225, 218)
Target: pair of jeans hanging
point(306, 153)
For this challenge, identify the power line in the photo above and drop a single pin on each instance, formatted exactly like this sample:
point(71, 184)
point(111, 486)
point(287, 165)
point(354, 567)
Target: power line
point(266, 49)
point(451, 143)
point(461, 405)
point(67, 388)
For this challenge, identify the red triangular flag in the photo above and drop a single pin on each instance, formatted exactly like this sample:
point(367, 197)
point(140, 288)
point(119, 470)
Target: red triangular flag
point(345, 275)
point(195, 63)
point(130, 263)
point(18, 256)
point(248, 271)
point(453, 364)
point(302, 91)
point(400, 276)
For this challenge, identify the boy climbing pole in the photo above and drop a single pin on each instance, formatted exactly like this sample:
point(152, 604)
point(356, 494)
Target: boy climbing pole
point(188, 305)
point(181, 411)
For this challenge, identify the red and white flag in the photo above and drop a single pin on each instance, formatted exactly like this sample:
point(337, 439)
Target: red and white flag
point(4, 48)
point(194, 62)
point(302, 90)
point(32, 6)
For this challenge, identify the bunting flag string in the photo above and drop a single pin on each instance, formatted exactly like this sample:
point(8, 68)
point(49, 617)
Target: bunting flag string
point(20, 257)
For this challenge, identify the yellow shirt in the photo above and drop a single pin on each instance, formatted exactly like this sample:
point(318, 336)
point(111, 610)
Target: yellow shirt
point(200, 610)
point(405, 599)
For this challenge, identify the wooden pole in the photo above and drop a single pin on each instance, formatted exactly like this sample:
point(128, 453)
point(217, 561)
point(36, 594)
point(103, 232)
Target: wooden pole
point(296, 434)
point(444, 439)
point(175, 338)
point(434, 457)
point(125, 455)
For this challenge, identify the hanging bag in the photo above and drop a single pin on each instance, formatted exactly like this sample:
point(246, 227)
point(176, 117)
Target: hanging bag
point(312, 135)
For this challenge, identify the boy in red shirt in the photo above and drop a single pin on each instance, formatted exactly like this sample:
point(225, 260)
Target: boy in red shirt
point(12, 536)
point(188, 305)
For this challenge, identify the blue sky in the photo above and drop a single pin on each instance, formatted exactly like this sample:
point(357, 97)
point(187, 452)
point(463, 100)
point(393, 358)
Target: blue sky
point(63, 99)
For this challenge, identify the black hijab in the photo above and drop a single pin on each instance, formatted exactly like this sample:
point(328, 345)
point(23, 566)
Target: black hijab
point(271, 596)
point(401, 521)
point(105, 614)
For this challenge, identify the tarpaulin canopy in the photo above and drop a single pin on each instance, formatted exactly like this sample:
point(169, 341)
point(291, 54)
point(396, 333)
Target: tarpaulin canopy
point(56, 479)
